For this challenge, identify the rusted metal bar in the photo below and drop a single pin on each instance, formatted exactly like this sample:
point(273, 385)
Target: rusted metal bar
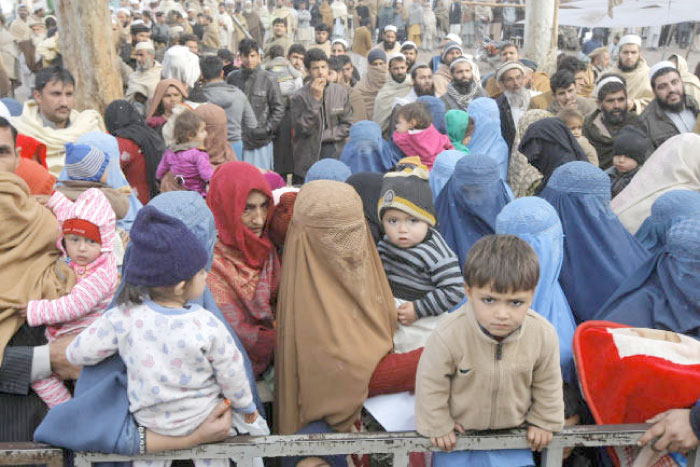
point(30, 453)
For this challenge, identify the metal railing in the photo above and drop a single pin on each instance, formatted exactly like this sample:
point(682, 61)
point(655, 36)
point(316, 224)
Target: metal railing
point(244, 449)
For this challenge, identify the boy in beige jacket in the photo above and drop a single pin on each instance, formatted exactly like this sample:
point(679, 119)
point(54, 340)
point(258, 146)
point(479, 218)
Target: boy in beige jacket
point(494, 363)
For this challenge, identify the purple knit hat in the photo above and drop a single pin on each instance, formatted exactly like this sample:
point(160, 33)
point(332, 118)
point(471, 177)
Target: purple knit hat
point(163, 250)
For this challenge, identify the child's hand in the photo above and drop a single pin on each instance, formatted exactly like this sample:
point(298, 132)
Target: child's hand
point(407, 314)
point(250, 417)
point(538, 438)
point(448, 441)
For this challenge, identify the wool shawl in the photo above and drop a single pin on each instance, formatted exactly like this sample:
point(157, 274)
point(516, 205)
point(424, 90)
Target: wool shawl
point(31, 124)
point(638, 85)
point(690, 81)
point(369, 86)
point(216, 143)
point(674, 165)
point(30, 266)
point(336, 314)
point(384, 103)
point(161, 89)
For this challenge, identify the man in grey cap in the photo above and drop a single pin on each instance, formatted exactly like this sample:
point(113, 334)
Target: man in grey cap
point(442, 76)
point(463, 88)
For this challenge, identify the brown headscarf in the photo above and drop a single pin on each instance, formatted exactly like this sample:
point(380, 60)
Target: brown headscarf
point(30, 266)
point(216, 143)
point(335, 315)
point(369, 86)
point(160, 92)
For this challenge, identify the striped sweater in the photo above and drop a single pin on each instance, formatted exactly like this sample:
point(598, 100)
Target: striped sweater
point(97, 282)
point(427, 274)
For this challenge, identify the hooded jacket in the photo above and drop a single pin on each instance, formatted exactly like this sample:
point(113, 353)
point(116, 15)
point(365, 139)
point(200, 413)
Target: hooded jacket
point(97, 281)
point(239, 113)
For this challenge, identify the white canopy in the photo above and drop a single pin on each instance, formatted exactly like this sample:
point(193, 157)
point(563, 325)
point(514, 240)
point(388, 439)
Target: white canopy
point(632, 13)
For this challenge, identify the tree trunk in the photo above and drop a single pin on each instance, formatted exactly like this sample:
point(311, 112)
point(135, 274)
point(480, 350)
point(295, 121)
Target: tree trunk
point(541, 24)
point(85, 37)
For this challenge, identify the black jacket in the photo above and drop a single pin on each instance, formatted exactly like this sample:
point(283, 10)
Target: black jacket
point(319, 124)
point(658, 126)
point(508, 128)
point(455, 13)
point(265, 97)
point(21, 410)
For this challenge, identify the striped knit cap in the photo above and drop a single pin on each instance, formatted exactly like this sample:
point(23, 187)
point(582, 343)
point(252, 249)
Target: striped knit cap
point(408, 191)
point(85, 162)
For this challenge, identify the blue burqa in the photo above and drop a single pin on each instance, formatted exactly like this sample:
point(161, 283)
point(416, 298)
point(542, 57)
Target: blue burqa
point(443, 167)
point(115, 177)
point(599, 253)
point(468, 205)
point(487, 138)
point(668, 208)
point(98, 418)
point(664, 292)
point(366, 150)
point(437, 109)
point(536, 221)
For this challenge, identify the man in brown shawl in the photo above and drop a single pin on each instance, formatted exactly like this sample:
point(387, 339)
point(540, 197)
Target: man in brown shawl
point(30, 268)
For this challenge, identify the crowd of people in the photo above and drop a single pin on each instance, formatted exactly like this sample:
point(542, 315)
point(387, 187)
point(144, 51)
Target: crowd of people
point(293, 197)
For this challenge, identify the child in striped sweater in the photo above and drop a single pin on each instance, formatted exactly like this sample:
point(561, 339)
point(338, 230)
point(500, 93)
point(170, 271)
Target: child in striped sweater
point(423, 271)
point(88, 226)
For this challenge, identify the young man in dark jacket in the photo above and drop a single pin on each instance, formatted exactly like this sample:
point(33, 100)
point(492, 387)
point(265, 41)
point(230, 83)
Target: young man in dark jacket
point(265, 97)
point(321, 115)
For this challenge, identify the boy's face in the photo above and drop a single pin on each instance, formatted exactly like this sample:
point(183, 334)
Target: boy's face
point(81, 250)
point(624, 164)
point(498, 313)
point(576, 127)
point(403, 230)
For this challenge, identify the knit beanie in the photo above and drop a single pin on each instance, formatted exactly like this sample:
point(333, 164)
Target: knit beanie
point(163, 250)
point(328, 169)
point(375, 54)
point(632, 142)
point(408, 191)
point(85, 162)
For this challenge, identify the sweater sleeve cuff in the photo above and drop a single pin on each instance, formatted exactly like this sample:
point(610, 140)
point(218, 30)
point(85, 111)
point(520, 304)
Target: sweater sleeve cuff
point(249, 409)
point(695, 419)
point(15, 370)
point(41, 363)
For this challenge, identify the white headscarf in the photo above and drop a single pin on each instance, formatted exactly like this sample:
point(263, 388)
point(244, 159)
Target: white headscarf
point(673, 166)
point(181, 64)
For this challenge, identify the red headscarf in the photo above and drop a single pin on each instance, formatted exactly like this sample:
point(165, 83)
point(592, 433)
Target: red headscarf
point(228, 192)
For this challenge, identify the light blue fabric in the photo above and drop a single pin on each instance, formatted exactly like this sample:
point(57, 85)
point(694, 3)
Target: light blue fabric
point(237, 147)
point(495, 458)
point(437, 109)
point(328, 169)
point(261, 158)
point(366, 150)
point(98, 418)
point(668, 209)
point(599, 253)
point(537, 222)
point(13, 106)
point(443, 167)
point(487, 138)
point(468, 205)
point(115, 177)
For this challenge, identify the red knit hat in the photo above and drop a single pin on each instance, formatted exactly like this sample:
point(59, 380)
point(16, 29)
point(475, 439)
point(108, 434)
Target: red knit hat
point(82, 228)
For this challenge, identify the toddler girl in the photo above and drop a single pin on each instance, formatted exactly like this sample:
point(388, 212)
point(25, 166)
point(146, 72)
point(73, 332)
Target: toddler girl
point(416, 135)
point(89, 227)
point(179, 357)
point(186, 160)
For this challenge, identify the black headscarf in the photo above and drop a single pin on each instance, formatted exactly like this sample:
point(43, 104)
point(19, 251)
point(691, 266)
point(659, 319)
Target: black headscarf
point(369, 185)
point(548, 143)
point(122, 120)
